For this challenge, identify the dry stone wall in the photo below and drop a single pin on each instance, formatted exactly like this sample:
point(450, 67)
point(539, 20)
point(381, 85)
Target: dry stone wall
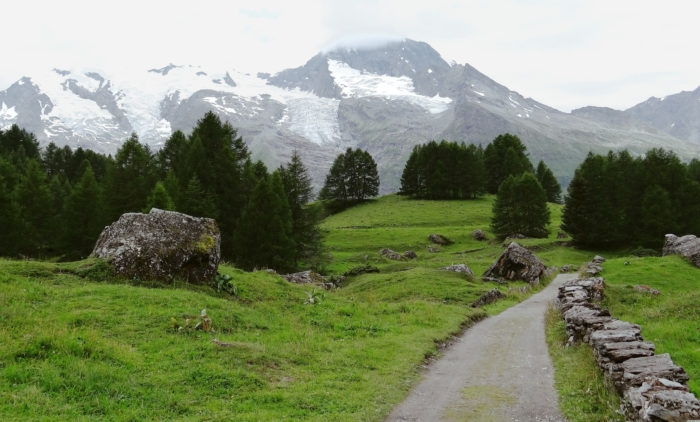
point(653, 388)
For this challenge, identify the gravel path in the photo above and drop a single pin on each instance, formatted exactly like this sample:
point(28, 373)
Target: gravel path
point(499, 370)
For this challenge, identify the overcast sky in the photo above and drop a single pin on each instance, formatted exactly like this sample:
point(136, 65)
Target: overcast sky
point(564, 53)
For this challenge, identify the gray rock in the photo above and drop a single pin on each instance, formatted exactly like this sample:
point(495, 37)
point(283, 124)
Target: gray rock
point(479, 235)
point(305, 277)
point(687, 246)
point(517, 263)
point(637, 370)
point(161, 245)
point(395, 256)
point(460, 268)
point(491, 296)
point(660, 399)
point(439, 239)
point(647, 289)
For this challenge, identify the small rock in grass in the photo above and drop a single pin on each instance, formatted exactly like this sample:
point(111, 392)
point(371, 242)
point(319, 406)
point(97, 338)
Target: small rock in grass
point(479, 235)
point(646, 289)
point(439, 239)
point(460, 268)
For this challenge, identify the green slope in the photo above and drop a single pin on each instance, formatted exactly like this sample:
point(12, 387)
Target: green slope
point(76, 344)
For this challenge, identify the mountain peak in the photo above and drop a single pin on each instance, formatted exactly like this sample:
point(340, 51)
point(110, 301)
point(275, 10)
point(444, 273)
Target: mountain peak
point(362, 42)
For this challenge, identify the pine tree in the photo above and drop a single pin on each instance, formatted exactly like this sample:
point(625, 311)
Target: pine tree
point(657, 217)
point(500, 163)
point(520, 208)
point(353, 177)
point(305, 218)
point(264, 236)
point(83, 217)
point(410, 176)
point(10, 222)
point(131, 179)
point(34, 199)
point(549, 183)
point(159, 198)
point(196, 201)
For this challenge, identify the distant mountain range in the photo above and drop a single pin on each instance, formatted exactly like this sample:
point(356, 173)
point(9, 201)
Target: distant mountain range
point(385, 100)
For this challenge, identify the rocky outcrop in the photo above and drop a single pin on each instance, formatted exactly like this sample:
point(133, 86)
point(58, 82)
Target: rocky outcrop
point(516, 263)
point(161, 245)
point(653, 387)
point(460, 268)
point(395, 256)
point(687, 246)
point(439, 239)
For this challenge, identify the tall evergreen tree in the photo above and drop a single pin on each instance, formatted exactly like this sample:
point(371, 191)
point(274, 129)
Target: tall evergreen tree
point(353, 177)
point(500, 163)
point(549, 183)
point(83, 217)
point(265, 233)
point(131, 179)
point(34, 199)
point(10, 221)
point(305, 218)
point(159, 198)
point(520, 208)
point(196, 201)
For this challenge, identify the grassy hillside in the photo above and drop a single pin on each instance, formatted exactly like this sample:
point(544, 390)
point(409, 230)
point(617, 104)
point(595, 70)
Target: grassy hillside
point(671, 319)
point(79, 345)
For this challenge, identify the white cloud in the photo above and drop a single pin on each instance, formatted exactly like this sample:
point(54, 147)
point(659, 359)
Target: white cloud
point(565, 54)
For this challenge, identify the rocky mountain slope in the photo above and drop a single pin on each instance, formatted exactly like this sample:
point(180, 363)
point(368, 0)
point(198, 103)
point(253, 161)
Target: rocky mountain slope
point(385, 99)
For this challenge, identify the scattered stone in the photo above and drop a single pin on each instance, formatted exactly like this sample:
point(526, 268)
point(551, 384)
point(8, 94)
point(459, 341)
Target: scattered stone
point(687, 246)
point(568, 268)
point(362, 269)
point(491, 296)
point(517, 263)
point(161, 245)
point(439, 239)
point(479, 235)
point(305, 277)
point(494, 279)
point(393, 255)
point(460, 268)
point(647, 289)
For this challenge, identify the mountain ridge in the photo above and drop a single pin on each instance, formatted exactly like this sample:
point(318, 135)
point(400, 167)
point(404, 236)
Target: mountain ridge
point(385, 99)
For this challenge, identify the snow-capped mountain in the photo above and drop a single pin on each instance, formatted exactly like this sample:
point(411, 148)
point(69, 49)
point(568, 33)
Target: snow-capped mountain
point(385, 99)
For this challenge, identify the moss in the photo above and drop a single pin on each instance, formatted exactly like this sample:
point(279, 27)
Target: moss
point(205, 243)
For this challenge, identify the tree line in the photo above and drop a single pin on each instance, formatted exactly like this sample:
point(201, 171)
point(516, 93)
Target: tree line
point(451, 170)
point(617, 200)
point(55, 201)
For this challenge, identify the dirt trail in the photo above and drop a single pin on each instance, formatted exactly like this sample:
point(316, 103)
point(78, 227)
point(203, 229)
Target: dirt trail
point(499, 370)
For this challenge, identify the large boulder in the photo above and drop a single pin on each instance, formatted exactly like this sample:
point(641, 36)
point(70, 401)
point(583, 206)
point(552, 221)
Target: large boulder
point(517, 263)
point(687, 246)
point(161, 245)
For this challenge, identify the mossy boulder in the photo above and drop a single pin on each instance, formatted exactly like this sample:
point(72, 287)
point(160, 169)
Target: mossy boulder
point(161, 245)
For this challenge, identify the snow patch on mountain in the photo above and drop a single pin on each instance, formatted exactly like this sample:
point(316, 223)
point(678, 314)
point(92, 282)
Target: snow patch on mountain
point(356, 83)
